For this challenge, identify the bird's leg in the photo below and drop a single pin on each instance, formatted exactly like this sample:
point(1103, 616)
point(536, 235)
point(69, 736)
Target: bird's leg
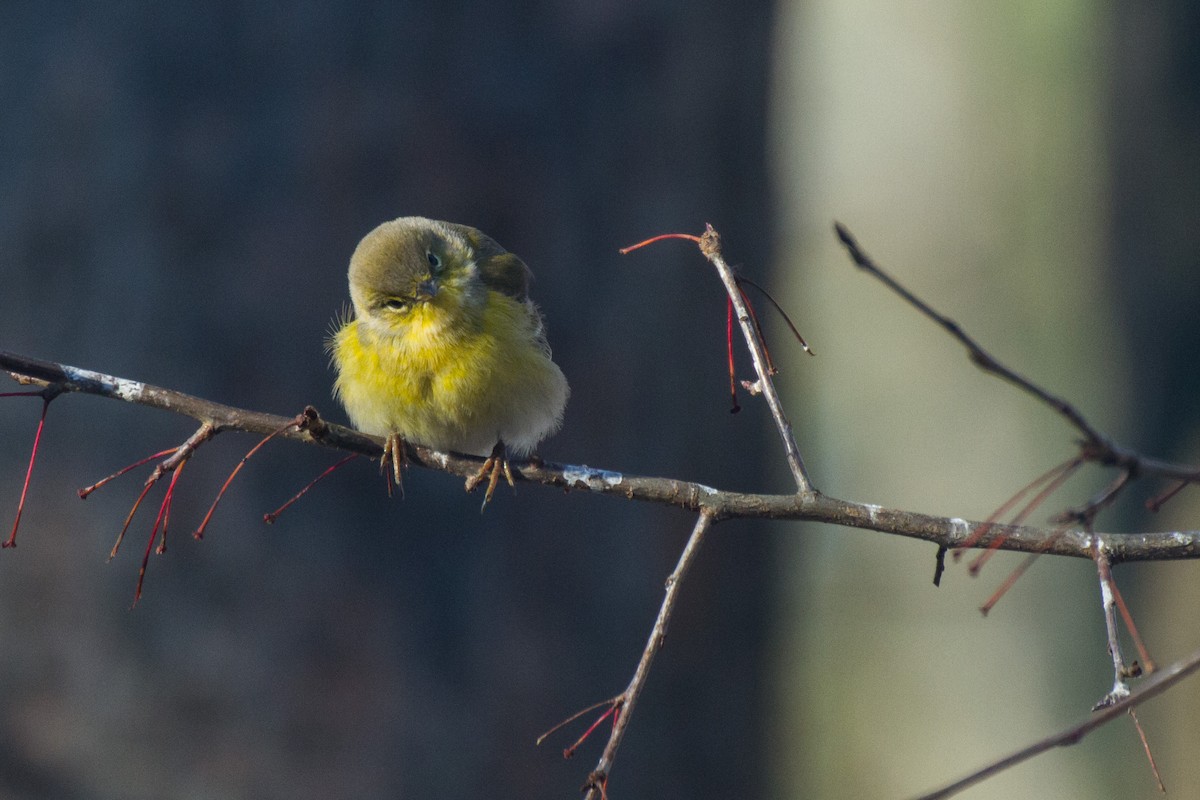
point(495, 466)
point(393, 450)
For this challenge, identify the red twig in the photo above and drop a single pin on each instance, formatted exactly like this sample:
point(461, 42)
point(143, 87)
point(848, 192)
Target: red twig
point(164, 513)
point(690, 237)
point(153, 479)
point(295, 423)
point(168, 499)
point(612, 701)
point(1137, 724)
point(1020, 569)
point(787, 319)
point(710, 247)
point(11, 541)
point(613, 711)
point(271, 516)
point(1064, 471)
point(1159, 500)
point(1006, 506)
point(174, 462)
point(87, 490)
point(771, 370)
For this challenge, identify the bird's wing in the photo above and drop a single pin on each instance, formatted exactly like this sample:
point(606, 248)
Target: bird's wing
point(499, 269)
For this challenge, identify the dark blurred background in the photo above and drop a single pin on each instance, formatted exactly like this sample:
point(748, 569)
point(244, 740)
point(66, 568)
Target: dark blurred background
point(180, 191)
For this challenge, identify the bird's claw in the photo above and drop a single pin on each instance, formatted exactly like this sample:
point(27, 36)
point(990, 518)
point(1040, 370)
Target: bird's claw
point(495, 466)
point(393, 451)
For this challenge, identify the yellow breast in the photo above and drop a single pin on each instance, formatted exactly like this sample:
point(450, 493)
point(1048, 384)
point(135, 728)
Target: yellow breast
point(452, 383)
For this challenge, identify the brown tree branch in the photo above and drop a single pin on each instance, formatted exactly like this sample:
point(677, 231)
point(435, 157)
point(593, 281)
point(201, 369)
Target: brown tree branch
point(942, 531)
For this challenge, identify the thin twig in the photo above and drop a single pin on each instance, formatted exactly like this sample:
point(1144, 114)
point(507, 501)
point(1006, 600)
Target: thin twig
point(982, 358)
point(1086, 514)
point(172, 463)
point(786, 317)
point(1057, 480)
point(1152, 686)
point(87, 491)
point(1141, 732)
point(1007, 505)
point(1156, 503)
point(1121, 672)
point(1148, 666)
point(47, 397)
point(614, 711)
point(733, 403)
point(710, 246)
point(295, 423)
point(610, 702)
point(1097, 446)
point(271, 516)
point(598, 780)
point(1015, 575)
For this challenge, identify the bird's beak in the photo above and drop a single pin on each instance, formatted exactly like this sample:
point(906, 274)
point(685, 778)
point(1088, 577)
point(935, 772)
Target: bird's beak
point(427, 289)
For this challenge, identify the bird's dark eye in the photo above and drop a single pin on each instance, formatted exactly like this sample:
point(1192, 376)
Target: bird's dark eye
point(434, 261)
point(395, 304)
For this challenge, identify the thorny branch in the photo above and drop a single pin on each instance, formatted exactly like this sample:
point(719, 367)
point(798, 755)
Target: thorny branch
point(713, 505)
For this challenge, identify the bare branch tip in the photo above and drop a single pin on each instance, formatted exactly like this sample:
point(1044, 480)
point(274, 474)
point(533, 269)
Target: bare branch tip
point(710, 242)
point(843, 233)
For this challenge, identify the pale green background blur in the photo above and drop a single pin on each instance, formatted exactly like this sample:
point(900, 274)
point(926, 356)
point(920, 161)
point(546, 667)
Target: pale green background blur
point(1028, 169)
point(180, 190)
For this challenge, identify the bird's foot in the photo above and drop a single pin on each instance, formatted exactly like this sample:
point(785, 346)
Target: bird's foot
point(393, 451)
point(495, 466)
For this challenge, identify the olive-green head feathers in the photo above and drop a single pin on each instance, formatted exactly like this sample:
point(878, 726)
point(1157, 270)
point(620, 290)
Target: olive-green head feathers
point(414, 260)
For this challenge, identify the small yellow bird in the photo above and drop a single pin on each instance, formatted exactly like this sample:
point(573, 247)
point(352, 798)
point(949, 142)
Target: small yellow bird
point(445, 348)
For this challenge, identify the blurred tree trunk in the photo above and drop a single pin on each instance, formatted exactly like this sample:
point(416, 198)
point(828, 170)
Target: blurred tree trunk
point(967, 147)
point(1155, 116)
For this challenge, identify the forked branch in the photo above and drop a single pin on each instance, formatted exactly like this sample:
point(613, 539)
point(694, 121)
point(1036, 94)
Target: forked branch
point(950, 532)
